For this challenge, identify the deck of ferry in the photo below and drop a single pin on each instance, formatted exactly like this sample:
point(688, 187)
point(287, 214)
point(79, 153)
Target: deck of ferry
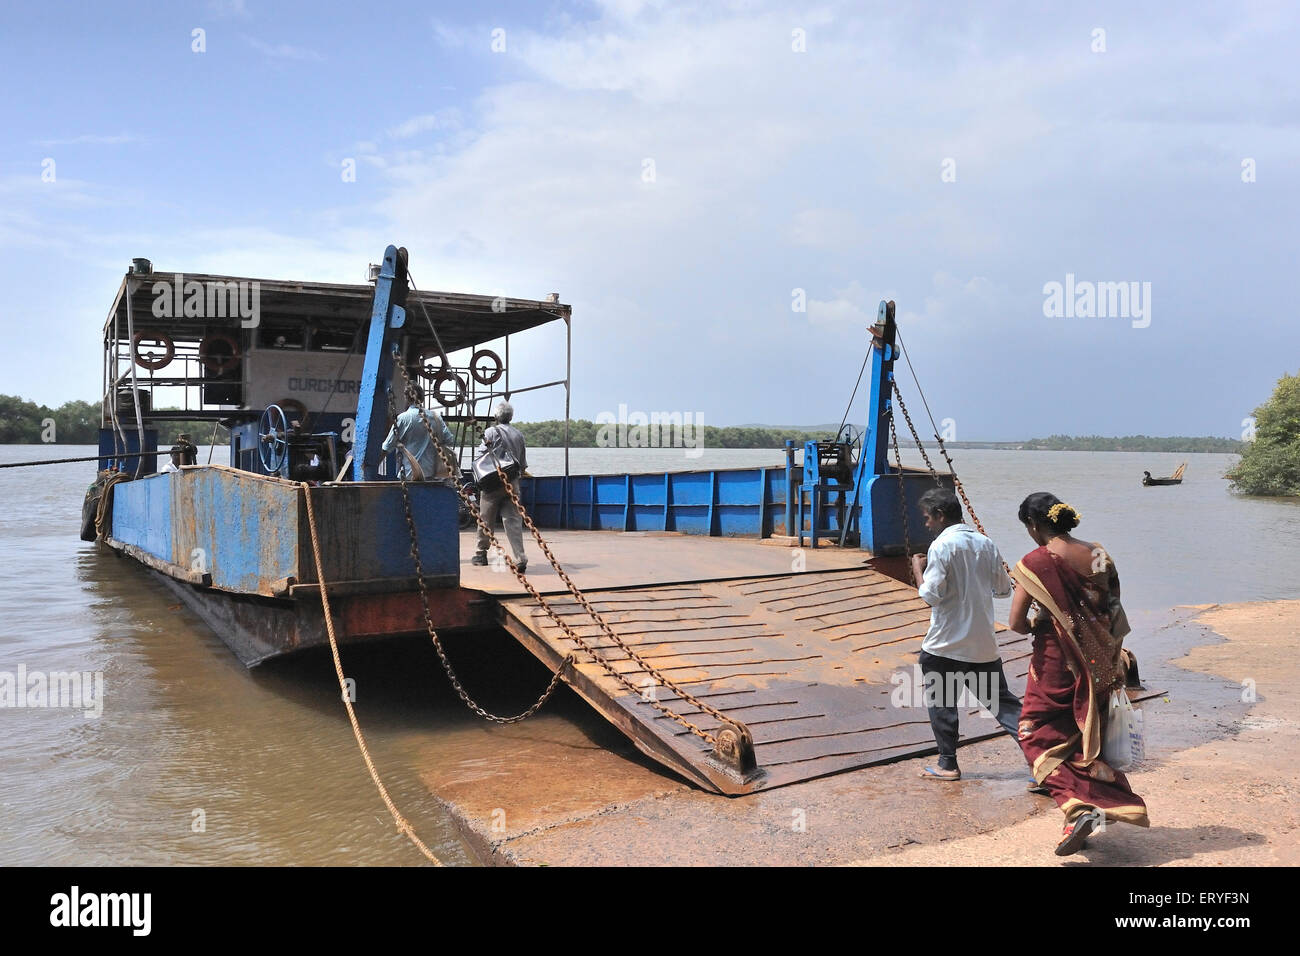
point(622, 559)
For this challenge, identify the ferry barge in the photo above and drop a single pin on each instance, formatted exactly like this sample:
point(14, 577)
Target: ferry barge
point(745, 627)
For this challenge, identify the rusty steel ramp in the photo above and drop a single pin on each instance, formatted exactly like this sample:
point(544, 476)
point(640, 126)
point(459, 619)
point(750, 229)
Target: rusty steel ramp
point(819, 666)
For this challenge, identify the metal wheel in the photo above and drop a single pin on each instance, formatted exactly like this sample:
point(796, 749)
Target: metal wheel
point(466, 516)
point(272, 445)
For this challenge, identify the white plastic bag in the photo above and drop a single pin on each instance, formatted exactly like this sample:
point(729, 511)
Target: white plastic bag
point(1123, 745)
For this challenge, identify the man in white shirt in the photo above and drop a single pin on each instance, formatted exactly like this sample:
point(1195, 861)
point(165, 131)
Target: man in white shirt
point(959, 577)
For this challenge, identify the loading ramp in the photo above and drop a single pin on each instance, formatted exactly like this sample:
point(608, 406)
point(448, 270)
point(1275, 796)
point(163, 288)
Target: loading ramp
point(819, 665)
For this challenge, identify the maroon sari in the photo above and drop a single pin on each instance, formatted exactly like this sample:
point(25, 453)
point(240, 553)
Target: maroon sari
point(1076, 663)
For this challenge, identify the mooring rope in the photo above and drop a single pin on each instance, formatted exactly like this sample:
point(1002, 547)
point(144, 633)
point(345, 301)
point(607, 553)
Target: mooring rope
point(105, 497)
point(403, 825)
point(65, 461)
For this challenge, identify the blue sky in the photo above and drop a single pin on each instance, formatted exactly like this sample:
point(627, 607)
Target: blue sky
point(523, 171)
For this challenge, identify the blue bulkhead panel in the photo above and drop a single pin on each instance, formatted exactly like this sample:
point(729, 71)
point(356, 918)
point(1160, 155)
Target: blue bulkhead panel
point(110, 444)
point(731, 502)
point(693, 502)
point(881, 523)
point(251, 533)
point(370, 539)
point(241, 529)
point(142, 514)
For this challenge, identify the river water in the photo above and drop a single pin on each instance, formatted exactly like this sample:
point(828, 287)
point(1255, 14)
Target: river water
point(196, 760)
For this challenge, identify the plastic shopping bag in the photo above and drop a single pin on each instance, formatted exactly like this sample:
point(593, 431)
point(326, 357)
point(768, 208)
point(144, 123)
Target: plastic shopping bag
point(1123, 745)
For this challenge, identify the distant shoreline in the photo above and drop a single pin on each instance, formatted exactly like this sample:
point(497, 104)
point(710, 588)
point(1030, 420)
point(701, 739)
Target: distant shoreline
point(586, 434)
point(954, 445)
point(1231, 447)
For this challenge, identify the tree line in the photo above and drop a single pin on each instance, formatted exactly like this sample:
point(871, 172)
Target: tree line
point(1270, 463)
point(72, 423)
point(26, 423)
point(588, 434)
point(1206, 443)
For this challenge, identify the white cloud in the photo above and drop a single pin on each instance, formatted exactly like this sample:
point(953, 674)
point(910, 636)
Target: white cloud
point(821, 170)
point(414, 126)
point(446, 120)
point(850, 305)
point(451, 36)
point(229, 8)
point(952, 301)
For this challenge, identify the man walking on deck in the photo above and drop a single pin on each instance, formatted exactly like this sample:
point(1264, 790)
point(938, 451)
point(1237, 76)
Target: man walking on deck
point(503, 443)
point(959, 577)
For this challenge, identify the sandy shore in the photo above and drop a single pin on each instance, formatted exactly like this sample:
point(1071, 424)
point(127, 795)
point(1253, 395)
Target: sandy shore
point(1225, 802)
point(1220, 779)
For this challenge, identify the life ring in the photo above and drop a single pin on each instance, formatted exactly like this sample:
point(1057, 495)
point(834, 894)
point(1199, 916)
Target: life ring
point(461, 387)
point(431, 372)
point(216, 363)
point(294, 410)
point(153, 364)
point(486, 378)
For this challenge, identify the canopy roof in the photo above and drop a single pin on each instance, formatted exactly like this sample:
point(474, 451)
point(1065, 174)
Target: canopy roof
point(461, 319)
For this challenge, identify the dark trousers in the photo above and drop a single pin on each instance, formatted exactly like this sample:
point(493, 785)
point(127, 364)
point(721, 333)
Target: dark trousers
point(943, 679)
point(498, 502)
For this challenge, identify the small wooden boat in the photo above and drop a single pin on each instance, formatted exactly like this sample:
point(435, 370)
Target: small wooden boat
point(1175, 479)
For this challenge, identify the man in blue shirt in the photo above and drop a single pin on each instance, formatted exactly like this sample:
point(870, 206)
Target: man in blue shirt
point(421, 461)
point(960, 576)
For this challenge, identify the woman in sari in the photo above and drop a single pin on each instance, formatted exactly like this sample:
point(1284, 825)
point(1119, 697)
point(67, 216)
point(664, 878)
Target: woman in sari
point(1068, 598)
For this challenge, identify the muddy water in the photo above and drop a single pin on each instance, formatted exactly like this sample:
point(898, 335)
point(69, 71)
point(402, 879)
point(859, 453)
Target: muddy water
point(195, 760)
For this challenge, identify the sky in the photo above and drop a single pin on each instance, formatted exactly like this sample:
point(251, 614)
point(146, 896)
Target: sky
point(722, 191)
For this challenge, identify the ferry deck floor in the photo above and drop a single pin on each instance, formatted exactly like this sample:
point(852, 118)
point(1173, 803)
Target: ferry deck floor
point(616, 559)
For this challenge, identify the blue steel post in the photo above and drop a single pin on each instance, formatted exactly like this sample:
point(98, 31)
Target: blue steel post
point(387, 316)
point(875, 446)
point(791, 487)
point(875, 443)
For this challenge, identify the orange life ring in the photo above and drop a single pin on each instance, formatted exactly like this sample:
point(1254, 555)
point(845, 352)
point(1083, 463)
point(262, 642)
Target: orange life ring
point(294, 410)
point(487, 378)
point(461, 386)
point(153, 364)
point(216, 363)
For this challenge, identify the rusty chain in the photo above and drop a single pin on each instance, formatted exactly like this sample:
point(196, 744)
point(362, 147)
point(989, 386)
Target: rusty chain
point(470, 702)
point(541, 601)
point(915, 437)
point(902, 501)
point(961, 489)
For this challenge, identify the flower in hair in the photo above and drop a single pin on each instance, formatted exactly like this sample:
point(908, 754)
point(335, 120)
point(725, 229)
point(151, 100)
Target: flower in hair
point(1054, 512)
